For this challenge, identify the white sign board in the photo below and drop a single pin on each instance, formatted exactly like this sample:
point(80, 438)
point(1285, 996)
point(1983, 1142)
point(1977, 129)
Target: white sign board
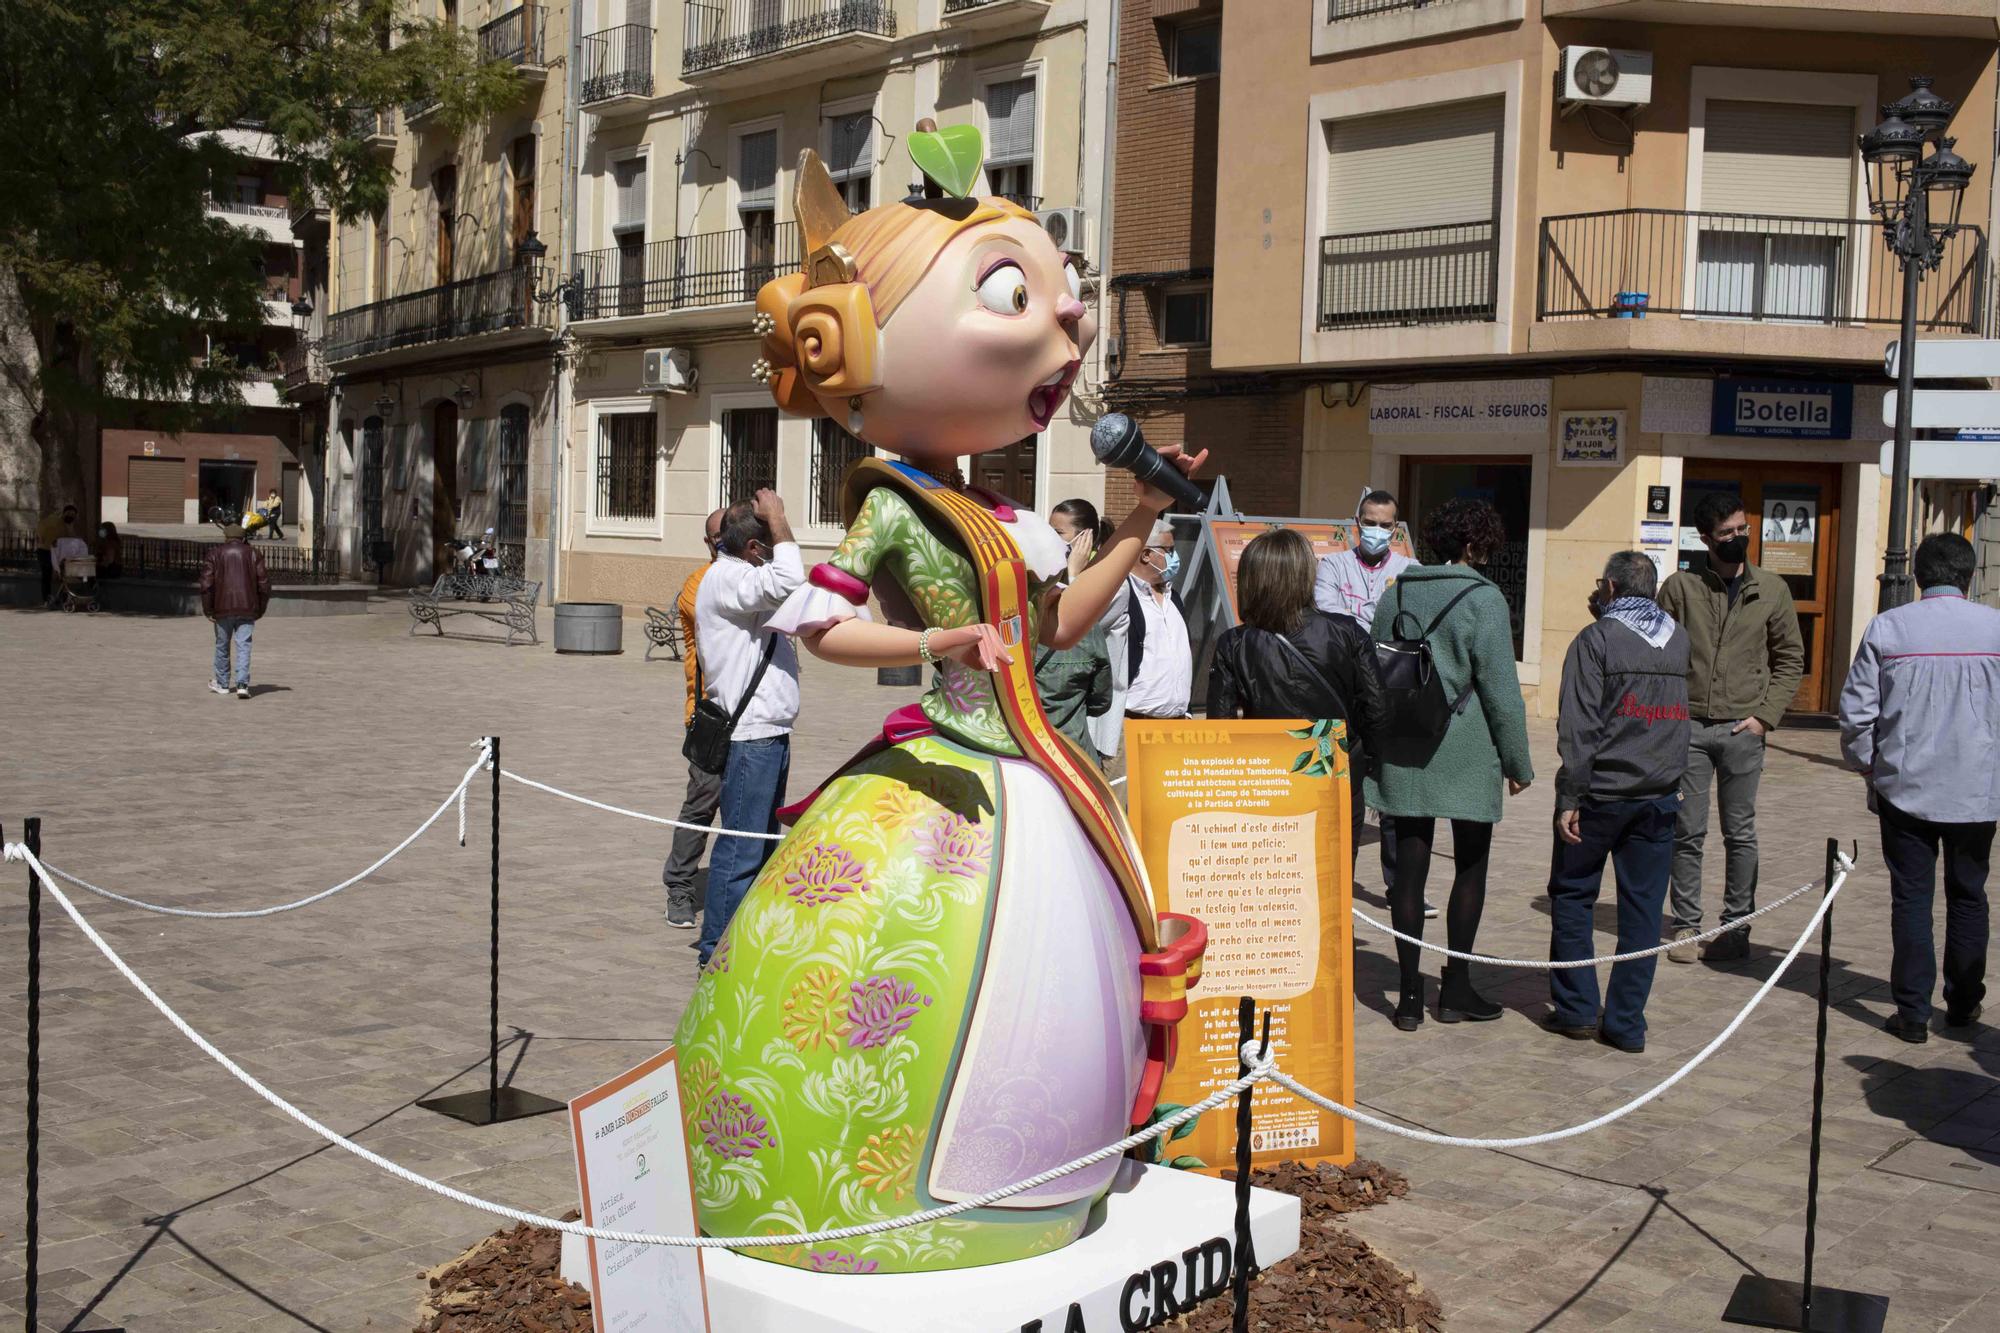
point(632, 1171)
point(1948, 359)
point(1460, 407)
point(1959, 460)
point(1934, 408)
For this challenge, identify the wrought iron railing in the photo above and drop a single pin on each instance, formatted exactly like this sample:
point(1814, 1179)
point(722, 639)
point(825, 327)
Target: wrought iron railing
point(516, 36)
point(834, 452)
point(1633, 262)
point(960, 6)
point(179, 559)
point(625, 471)
point(709, 268)
point(618, 62)
point(1336, 10)
point(300, 364)
point(242, 209)
point(1031, 202)
point(1412, 275)
point(749, 452)
point(722, 32)
point(489, 303)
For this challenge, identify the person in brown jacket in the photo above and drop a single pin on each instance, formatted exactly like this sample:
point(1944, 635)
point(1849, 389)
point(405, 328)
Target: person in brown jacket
point(235, 589)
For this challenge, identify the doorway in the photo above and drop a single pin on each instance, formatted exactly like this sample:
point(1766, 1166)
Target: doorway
point(227, 486)
point(1009, 472)
point(444, 483)
point(1506, 483)
point(1794, 511)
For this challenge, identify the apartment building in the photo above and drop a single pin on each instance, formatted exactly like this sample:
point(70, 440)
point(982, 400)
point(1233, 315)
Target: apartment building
point(1591, 259)
point(696, 114)
point(440, 343)
point(157, 478)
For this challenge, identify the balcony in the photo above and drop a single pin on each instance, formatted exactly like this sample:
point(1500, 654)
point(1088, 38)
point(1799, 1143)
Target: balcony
point(1357, 25)
point(492, 303)
point(1956, 18)
point(306, 215)
point(377, 129)
point(518, 38)
point(689, 273)
point(272, 223)
point(418, 110)
point(302, 374)
point(1657, 281)
point(734, 43)
point(618, 68)
point(994, 13)
point(1408, 277)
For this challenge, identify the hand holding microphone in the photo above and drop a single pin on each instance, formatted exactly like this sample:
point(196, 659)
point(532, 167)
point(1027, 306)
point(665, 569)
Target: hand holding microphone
point(1117, 442)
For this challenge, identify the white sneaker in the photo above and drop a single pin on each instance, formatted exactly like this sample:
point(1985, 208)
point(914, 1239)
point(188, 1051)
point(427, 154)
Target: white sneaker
point(1430, 910)
point(243, 691)
point(217, 687)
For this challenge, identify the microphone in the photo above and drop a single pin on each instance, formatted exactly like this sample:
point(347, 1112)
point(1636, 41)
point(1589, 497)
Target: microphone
point(1116, 441)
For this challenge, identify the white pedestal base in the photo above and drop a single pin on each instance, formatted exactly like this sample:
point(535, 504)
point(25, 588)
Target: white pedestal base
point(1161, 1238)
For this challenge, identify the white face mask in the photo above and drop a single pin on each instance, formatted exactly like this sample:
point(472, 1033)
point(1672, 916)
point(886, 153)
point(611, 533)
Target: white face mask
point(1374, 540)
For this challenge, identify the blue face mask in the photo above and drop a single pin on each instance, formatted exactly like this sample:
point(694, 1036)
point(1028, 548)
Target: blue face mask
point(1172, 568)
point(1374, 541)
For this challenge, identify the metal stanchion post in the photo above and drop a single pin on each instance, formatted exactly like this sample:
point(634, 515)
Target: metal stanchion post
point(1765, 1302)
point(496, 1104)
point(1245, 1266)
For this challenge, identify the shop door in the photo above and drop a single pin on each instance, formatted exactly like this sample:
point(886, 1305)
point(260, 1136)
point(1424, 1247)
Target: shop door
point(155, 489)
point(1794, 511)
point(1009, 472)
point(444, 483)
point(1505, 483)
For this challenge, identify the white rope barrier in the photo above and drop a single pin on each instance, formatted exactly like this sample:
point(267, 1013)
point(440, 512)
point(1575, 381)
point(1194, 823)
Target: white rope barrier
point(457, 794)
point(1546, 964)
point(512, 776)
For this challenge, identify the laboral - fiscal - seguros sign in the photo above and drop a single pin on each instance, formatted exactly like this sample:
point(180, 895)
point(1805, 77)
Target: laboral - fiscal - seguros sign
point(1799, 409)
point(1459, 405)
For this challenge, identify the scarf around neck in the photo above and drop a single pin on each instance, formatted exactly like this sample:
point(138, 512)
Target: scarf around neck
point(1643, 616)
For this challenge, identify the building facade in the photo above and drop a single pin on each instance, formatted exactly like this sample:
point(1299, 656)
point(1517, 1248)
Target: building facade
point(695, 114)
point(1591, 287)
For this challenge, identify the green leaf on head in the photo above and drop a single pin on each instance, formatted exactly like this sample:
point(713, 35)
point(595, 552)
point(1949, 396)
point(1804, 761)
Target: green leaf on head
point(950, 157)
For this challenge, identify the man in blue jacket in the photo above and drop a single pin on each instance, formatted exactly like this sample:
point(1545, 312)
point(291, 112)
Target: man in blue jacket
point(1622, 732)
point(1920, 720)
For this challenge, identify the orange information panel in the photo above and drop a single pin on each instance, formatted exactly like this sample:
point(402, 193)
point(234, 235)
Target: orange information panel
point(1231, 536)
point(1244, 824)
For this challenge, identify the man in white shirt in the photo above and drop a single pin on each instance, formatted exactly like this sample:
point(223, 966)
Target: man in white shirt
point(1159, 660)
point(756, 569)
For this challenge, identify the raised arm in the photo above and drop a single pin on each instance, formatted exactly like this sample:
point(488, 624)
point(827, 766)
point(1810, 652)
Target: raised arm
point(1089, 594)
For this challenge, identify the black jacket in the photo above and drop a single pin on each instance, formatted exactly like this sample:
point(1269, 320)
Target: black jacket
point(1324, 669)
point(1622, 729)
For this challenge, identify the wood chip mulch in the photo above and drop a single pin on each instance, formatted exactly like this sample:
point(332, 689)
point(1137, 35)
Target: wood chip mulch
point(510, 1283)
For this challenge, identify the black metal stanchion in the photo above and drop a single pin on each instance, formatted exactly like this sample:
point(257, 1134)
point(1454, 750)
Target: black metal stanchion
point(31, 837)
point(1768, 1302)
point(496, 1104)
point(1245, 1265)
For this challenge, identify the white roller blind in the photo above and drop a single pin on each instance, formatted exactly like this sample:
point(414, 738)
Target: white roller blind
point(850, 145)
point(1425, 167)
point(1788, 159)
point(629, 179)
point(757, 169)
point(1010, 122)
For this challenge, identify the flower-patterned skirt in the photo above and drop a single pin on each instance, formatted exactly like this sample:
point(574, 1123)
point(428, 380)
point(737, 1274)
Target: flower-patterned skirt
point(931, 991)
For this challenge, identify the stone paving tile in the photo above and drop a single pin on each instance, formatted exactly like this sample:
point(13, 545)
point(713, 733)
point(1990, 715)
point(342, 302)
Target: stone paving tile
point(175, 1200)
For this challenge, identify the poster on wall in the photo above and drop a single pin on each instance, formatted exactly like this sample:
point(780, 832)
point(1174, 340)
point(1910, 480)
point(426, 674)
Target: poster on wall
point(1326, 537)
point(1790, 527)
point(1244, 824)
point(1590, 439)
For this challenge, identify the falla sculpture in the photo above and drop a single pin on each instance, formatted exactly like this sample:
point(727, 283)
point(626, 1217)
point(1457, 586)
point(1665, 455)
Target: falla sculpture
point(949, 976)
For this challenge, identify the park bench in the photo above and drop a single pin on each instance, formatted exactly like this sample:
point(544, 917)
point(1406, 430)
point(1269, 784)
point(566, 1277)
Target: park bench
point(663, 630)
point(498, 599)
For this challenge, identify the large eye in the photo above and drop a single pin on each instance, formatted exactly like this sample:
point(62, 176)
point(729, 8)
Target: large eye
point(1004, 291)
point(1074, 279)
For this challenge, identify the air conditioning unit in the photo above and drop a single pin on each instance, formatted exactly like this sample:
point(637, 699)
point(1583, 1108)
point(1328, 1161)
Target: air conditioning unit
point(1600, 76)
point(1065, 227)
point(669, 370)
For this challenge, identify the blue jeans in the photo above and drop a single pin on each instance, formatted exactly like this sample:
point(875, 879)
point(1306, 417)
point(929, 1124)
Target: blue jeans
point(753, 787)
point(1910, 846)
point(236, 630)
point(1638, 838)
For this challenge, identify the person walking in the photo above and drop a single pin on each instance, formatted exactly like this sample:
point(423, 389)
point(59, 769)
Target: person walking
point(235, 590)
point(274, 514)
point(1622, 731)
point(754, 669)
point(1290, 659)
point(1147, 627)
point(1745, 661)
point(704, 789)
point(52, 529)
point(1920, 720)
point(1465, 619)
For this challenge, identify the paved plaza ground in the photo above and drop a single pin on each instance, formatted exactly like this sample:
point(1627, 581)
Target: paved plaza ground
point(173, 1199)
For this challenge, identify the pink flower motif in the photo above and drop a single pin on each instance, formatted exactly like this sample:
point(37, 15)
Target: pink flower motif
point(965, 690)
point(826, 874)
point(833, 1261)
point(719, 960)
point(880, 1008)
point(953, 845)
point(731, 1128)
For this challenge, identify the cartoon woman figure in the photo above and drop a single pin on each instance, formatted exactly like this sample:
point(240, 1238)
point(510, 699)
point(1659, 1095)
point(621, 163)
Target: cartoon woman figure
point(949, 976)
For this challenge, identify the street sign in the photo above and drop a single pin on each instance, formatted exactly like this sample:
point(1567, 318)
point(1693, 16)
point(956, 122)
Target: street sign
point(1961, 460)
point(1932, 408)
point(1949, 359)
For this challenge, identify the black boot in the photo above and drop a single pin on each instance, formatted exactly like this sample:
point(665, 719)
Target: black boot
point(1410, 1009)
point(1458, 1002)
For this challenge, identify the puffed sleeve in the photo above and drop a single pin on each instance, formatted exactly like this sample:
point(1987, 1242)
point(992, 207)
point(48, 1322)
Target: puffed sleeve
point(837, 589)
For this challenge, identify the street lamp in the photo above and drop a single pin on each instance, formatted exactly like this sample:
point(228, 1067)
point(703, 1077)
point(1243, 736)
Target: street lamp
point(1901, 181)
point(530, 252)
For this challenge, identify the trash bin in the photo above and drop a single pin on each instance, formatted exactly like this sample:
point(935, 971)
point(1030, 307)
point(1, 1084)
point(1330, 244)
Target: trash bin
point(1629, 305)
point(590, 627)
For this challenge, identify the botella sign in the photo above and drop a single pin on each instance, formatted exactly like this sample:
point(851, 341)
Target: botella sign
point(1792, 408)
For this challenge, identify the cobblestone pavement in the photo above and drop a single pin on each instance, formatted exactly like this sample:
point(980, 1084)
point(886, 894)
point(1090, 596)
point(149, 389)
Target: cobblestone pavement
point(173, 1199)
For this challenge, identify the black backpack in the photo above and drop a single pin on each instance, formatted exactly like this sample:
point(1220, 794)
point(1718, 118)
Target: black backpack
point(1415, 712)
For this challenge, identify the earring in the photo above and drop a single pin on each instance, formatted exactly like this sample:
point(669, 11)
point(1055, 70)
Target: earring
point(854, 415)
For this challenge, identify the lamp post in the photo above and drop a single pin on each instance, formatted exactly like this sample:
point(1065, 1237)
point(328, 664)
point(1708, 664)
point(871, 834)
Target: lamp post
point(1901, 180)
point(528, 255)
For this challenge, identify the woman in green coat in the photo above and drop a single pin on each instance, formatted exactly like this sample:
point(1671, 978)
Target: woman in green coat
point(1487, 739)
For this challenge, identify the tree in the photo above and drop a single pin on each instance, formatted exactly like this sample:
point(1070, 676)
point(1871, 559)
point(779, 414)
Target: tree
point(110, 158)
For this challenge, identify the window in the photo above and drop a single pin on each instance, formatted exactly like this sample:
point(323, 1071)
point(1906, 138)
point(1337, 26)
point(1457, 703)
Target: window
point(756, 206)
point(850, 156)
point(371, 480)
point(249, 190)
point(381, 226)
point(444, 204)
point(625, 466)
point(749, 452)
point(1184, 317)
point(1194, 49)
point(512, 527)
point(628, 232)
point(1782, 163)
point(521, 223)
point(834, 452)
point(1010, 140)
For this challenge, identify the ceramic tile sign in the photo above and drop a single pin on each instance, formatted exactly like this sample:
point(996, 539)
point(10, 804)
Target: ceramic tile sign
point(632, 1171)
point(1590, 439)
point(1244, 824)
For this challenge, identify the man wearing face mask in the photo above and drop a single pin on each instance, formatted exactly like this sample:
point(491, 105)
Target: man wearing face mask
point(1746, 658)
point(1147, 616)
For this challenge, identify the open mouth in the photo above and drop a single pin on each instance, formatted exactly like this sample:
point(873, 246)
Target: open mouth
point(1046, 398)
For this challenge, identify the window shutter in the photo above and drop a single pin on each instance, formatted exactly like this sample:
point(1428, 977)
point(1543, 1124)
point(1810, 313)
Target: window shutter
point(1782, 159)
point(1010, 122)
point(851, 145)
point(757, 169)
point(1420, 167)
point(630, 179)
